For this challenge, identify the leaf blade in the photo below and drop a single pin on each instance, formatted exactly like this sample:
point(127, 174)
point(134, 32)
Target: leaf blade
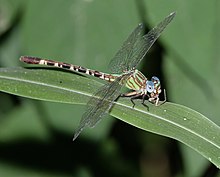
point(46, 85)
point(171, 120)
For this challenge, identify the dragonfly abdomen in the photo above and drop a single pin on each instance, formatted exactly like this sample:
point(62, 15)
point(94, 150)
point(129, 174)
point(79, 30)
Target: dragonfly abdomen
point(67, 66)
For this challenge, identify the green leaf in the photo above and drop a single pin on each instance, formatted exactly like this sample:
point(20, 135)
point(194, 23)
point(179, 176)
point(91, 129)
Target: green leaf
point(171, 120)
point(47, 85)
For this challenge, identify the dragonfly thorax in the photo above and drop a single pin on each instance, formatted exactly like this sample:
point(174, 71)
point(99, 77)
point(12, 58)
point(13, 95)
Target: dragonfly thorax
point(136, 81)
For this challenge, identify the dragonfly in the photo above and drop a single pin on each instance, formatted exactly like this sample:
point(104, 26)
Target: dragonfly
point(123, 73)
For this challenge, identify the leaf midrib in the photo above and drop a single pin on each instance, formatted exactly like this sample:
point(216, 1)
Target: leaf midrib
point(44, 84)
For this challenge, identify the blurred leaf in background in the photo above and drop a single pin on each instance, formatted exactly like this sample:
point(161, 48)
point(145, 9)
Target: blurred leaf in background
point(35, 136)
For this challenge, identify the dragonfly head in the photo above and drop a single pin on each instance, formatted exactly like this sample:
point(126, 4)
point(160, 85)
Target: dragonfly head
point(153, 88)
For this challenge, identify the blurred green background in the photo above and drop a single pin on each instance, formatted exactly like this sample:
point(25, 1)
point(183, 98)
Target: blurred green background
point(36, 136)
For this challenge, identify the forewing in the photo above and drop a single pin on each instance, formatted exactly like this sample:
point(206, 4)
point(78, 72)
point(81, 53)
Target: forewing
point(120, 61)
point(136, 46)
point(143, 45)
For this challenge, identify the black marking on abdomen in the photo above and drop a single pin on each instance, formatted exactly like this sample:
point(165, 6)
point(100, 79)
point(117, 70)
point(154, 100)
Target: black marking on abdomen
point(97, 74)
point(50, 63)
point(66, 65)
point(82, 70)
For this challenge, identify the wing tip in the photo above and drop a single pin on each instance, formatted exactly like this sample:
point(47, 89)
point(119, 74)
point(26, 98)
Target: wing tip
point(172, 14)
point(76, 134)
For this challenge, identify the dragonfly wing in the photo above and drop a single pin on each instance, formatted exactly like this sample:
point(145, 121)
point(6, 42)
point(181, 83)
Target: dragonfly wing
point(119, 63)
point(143, 45)
point(136, 46)
point(100, 103)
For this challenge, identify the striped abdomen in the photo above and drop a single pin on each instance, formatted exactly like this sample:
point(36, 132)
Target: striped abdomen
point(67, 66)
point(136, 81)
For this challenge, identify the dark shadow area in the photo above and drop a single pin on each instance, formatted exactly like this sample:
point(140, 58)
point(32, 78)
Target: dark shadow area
point(210, 171)
point(61, 155)
point(137, 146)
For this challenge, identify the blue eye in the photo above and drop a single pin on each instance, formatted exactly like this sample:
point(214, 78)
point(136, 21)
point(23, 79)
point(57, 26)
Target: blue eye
point(155, 79)
point(150, 86)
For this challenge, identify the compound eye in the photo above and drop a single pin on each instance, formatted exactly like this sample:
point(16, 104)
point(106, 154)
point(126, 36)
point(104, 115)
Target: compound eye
point(155, 79)
point(150, 86)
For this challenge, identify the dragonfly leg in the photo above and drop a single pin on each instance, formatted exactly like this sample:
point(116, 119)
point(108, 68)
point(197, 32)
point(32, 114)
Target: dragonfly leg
point(143, 101)
point(157, 103)
point(133, 96)
point(129, 94)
